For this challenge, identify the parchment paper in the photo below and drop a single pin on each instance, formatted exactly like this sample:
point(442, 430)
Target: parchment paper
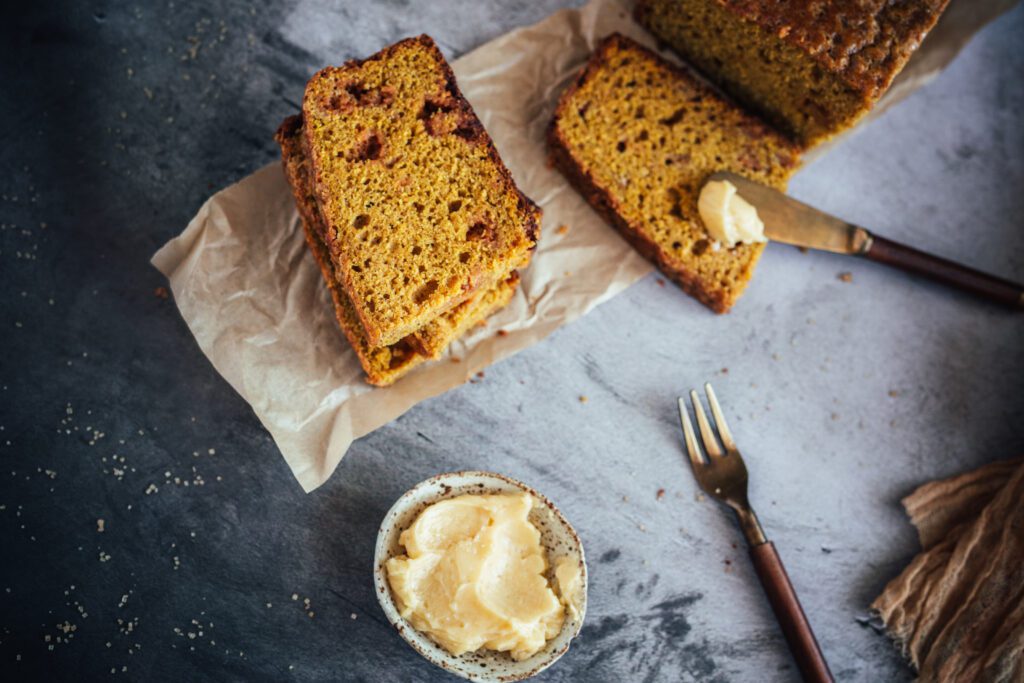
point(254, 299)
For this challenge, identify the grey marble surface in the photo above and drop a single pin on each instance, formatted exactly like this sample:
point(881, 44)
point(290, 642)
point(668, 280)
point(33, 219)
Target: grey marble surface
point(121, 118)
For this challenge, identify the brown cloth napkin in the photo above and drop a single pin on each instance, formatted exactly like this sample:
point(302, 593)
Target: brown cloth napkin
point(958, 610)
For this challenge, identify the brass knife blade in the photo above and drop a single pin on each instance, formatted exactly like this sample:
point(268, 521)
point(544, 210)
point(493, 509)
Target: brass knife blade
point(793, 222)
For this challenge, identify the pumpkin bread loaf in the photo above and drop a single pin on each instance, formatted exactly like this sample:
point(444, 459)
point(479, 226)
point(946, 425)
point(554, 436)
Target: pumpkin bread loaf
point(419, 211)
point(811, 68)
point(382, 364)
point(638, 137)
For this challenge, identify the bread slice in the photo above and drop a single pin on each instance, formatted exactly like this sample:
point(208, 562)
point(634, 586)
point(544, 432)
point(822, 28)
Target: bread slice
point(420, 212)
point(383, 364)
point(638, 137)
point(811, 70)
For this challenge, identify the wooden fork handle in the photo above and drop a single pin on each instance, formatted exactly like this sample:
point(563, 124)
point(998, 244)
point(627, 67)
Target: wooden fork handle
point(790, 614)
point(947, 272)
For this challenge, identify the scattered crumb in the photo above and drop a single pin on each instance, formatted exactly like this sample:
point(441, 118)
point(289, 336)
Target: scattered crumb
point(295, 596)
point(100, 525)
point(480, 374)
point(724, 371)
point(583, 399)
point(803, 250)
point(353, 616)
point(660, 494)
point(699, 497)
point(845, 277)
point(893, 393)
point(835, 416)
point(562, 229)
point(161, 293)
point(661, 283)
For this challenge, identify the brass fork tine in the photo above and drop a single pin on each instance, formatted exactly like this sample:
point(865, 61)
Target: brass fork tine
point(691, 439)
point(710, 442)
point(723, 428)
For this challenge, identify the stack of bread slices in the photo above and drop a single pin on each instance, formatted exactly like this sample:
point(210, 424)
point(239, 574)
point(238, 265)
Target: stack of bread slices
point(416, 224)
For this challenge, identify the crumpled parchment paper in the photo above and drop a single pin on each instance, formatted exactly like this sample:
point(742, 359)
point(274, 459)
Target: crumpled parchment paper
point(254, 299)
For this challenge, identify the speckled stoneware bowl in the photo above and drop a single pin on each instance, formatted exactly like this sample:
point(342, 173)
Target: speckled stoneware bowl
point(557, 536)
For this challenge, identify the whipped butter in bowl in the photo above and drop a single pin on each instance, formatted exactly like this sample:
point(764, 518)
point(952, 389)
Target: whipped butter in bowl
point(481, 575)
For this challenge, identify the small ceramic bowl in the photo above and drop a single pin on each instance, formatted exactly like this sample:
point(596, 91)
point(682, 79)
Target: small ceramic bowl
point(557, 536)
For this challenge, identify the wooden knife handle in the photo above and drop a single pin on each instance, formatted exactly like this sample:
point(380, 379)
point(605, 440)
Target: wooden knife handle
point(907, 258)
point(790, 614)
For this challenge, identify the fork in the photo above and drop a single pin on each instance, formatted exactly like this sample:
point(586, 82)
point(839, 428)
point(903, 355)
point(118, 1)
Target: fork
point(724, 476)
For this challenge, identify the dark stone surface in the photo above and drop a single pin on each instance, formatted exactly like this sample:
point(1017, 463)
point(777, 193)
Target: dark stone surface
point(120, 119)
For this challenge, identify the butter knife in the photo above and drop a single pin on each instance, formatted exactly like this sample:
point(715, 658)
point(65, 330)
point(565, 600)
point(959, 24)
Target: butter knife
point(792, 222)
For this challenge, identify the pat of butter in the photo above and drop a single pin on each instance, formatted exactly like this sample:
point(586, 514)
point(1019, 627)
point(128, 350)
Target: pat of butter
point(473, 576)
point(728, 217)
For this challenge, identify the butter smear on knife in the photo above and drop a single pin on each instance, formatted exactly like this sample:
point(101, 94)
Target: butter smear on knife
point(728, 218)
